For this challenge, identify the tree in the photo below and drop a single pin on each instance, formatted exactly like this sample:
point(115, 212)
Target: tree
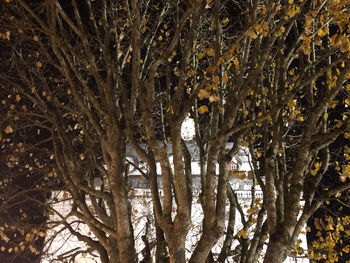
point(328, 235)
point(98, 76)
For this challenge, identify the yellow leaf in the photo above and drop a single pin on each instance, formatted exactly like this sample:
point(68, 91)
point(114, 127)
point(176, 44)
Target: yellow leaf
point(258, 28)
point(6, 35)
point(300, 118)
point(203, 94)
point(318, 165)
point(8, 129)
point(321, 33)
point(33, 250)
point(170, 109)
point(225, 78)
point(251, 210)
point(346, 249)
point(4, 237)
point(236, 62)
point(210, 52)
point(280, 31)
point(29, 237)
point(18, 98)
point(216, 79)
point(252, 34)
point(36, 38)
point(203, 109)
point(243, 233)
point(213, 98)
point(225, 20)
point(325, 115)
point(265, 27)
point(211, 69)
point(69, 92)
point(258, 154)
point(308, 20)
point(39, 64)
point(42, 234)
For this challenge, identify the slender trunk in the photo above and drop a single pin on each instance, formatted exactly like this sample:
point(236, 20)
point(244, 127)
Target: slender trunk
point(161, 251)
point(229, 232)
point(104, 255)
point(176, 234)
point(116, 169)
point(125, 236)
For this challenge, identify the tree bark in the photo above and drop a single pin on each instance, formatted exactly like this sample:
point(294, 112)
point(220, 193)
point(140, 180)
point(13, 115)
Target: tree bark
point(277, 250)
point(114, 255)
point(161, 251)
point(177, 254)
point(205, 245)
point(229, 232)
point(115, 157)
point(125, 237)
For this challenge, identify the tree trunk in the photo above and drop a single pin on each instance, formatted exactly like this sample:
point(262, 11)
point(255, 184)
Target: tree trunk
point(210, 258)
point(125, 236)
point(116, 169)
point(114, 258)
point(204, 246)
point(114, 253)
point(277, 250)
point(177, 254)
point(161, 251)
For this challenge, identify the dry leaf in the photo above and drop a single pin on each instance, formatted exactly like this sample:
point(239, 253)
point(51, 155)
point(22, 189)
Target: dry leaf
point(8, 129)
point(203, 109)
